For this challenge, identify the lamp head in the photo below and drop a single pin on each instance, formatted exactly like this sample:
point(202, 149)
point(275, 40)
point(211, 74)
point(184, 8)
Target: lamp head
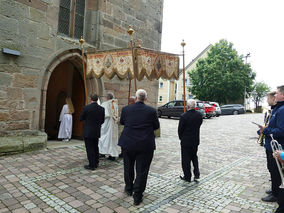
point(182, 43)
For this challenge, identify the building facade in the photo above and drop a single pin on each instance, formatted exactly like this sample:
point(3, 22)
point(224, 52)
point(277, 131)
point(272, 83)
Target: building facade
point(41, 61)
point(170, 90)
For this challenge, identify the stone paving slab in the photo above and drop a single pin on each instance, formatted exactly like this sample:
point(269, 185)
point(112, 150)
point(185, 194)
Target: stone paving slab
point(233, 175)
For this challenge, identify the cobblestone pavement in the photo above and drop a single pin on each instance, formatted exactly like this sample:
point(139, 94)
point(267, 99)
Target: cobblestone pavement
point(233, 175)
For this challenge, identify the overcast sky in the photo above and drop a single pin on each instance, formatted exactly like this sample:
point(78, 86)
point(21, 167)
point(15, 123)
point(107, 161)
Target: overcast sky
point(253, 26)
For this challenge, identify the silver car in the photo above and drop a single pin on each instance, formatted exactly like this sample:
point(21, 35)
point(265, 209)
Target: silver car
point(218, 109)
point(232, 109)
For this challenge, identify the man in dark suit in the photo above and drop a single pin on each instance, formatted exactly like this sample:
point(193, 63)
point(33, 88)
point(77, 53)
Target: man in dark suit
point(94, 116)
point(188, 132)
point(137, 142)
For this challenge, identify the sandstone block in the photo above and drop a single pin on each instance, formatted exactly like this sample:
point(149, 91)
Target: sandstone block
point(9, 24)
point(3, 95)
point(12, 9)
point(121, 43)
point(14, 93)
point(4, 116)
point(30, 61)
point(34, 142)
point(9, 68)
point(31, 97)
point(19, 115)
point(5, 79)
point(92, 5)
point(11, 144)
point(25, 81)
point(17, 125)
point(52, 16)
point(37, 15)
point(39, 4)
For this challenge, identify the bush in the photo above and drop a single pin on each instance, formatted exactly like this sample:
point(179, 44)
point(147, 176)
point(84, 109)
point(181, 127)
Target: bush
point(249, 111)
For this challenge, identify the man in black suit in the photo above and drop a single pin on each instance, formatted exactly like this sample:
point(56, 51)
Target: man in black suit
point(137, 142)
point(188, 132)
point(94, 116)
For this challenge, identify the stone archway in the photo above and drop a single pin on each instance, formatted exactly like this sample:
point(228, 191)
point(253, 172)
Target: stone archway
point(64, 77)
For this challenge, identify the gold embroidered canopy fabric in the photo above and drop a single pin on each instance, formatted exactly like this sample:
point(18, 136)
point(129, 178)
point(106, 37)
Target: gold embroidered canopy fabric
point(149, 63)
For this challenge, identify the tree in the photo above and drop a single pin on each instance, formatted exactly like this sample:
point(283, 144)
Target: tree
point(260, 89)
point(222, 76)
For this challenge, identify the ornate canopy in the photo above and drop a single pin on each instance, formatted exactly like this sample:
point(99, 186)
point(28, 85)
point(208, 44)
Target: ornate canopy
point(149, 63)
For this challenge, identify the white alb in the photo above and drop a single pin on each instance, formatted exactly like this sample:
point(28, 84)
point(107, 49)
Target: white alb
point(65, 129)
point(109, 130)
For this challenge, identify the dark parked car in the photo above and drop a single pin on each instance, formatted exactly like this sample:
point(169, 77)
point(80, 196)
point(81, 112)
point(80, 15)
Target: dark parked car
point(232, 109)
point(175, 109)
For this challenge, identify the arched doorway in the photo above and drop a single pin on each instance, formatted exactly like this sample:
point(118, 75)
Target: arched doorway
point(65, 80)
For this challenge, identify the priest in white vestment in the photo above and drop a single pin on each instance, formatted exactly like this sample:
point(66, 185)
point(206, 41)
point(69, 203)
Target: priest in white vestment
point(109, 130)
point(66, 121)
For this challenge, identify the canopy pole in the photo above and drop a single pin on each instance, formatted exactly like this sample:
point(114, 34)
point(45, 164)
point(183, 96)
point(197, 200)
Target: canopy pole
point(130, 32)
point(84, 72)
point(183, 73)
point(129, 88)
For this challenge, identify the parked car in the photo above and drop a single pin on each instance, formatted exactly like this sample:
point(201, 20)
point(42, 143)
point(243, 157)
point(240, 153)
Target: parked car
point(209, 110)
point(232, 109)
point(174, 109)
point(200, 108)
point(218, 109)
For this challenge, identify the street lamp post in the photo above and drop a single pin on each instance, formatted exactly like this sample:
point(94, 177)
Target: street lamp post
point(247, 55)
point(183, 73)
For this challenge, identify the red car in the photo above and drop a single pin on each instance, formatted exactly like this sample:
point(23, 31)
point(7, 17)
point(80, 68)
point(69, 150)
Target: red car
point(209, 110)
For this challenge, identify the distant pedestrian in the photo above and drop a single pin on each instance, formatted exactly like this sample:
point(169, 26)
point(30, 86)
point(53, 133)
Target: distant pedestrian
point(137, 141)
point(188, 132)
point(94, 116)
point(66, 120)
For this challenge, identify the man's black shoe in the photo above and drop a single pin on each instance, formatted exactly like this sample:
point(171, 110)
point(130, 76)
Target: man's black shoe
point(111, 158)
point(89, 167)
point(183, 178)
point(269, 198)
point(137, 200)
point(196, 178)
point(129, 193)
point(269, 191)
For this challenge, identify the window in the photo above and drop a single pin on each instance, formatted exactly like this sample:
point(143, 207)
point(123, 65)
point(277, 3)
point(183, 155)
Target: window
point(179, 103)
point(161, 85)
point(171, 104)
point(160, 98)
point(71, 18)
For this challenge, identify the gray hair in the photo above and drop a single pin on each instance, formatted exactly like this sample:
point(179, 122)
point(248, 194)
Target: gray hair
point(191, 104)
point(281, 89)
point(141, 95)
point(110, 95)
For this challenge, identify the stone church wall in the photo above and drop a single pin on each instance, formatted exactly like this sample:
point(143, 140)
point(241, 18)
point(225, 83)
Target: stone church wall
point(30, 27)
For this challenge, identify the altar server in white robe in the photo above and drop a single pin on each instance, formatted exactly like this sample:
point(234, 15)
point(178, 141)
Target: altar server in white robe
point(109, 131)
point(66, 120)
